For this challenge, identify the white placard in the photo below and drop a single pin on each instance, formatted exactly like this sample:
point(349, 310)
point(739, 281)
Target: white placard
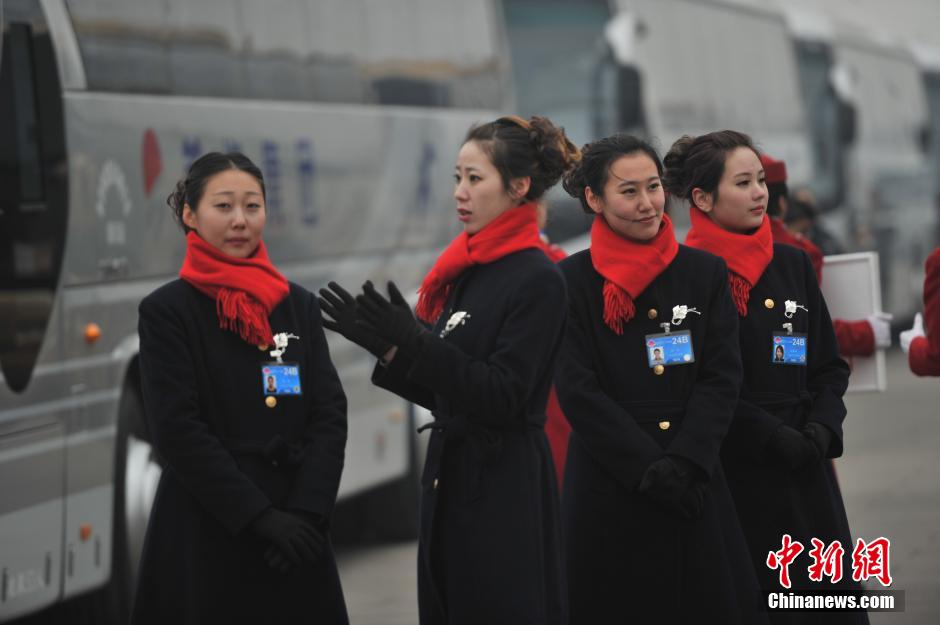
point(852, 288)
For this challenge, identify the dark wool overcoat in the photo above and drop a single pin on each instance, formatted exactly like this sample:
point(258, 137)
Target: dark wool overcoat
point(630, 560)
point(206, 413)
point(490, 536)
point(771, 500)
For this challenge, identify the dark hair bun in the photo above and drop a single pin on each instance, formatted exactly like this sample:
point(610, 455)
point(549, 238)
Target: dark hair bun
point(675, 180)
point(519, 148)
point(556, 154)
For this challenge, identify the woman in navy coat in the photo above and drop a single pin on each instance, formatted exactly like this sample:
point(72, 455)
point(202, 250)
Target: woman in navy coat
point(648, 377)
point(239, 527)
point(490, 542)
point(788, 421)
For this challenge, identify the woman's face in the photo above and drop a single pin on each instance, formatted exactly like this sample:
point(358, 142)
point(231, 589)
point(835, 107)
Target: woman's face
point(632, 200)
point(742, 193)
point(479, 191)
point(230, 215)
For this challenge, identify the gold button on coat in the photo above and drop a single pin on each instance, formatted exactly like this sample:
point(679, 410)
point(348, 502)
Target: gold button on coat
point(652, 313)
point(435, 483)
point(664, 425)
point(270, 401)
point(768, 303)
point(658, 369)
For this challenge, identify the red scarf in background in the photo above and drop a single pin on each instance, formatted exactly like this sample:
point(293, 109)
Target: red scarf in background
point(245, 290)
point(747, 255)
point(628, 267)
point(514, 230)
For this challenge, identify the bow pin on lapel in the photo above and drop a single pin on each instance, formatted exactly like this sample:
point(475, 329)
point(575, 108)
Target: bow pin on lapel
point(679, 313)
point(790, 308)
point(457, 319)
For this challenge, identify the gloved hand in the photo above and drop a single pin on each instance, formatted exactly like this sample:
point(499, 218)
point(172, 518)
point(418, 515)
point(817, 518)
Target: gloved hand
point(344, 319)
point(907, 337)
point(293, 540)
point(791, 448)
point(820, 435)
point(880, 323)
point(669, 481)
point(392, 320)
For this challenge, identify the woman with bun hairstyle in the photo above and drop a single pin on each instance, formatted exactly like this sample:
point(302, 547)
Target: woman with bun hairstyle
point(648, 377)
point(249, 417)
point(490, 537)
point(788, 421)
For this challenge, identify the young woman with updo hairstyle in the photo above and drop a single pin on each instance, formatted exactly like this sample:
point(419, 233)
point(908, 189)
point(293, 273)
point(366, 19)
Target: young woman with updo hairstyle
point(253, 448)
point(490, 538)
point(648, 377)
point(788, 420)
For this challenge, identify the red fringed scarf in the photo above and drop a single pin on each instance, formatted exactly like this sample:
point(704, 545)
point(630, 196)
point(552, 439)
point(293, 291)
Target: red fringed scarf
point(628, 267)
point(245, 290)
point(516, 229)
point(747, 255)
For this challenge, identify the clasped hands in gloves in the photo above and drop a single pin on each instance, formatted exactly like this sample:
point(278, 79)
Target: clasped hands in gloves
point(294, 538)
point(675, 484)
point(370, 320)
point(796, 449)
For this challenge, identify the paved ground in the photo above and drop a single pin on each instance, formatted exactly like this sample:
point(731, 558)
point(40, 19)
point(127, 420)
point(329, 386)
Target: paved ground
point(890, 477)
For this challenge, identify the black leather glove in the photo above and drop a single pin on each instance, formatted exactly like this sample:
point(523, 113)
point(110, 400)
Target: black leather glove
point(820, 435)
point(344, 319)
point(671, 482)
point(293, 540)
point(789, 447)
point(392, 320)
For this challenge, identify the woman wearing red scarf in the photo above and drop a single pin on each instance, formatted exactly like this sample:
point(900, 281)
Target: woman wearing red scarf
point(490, 538)
point(788, 421)
point(249, 417)
point(648, 377)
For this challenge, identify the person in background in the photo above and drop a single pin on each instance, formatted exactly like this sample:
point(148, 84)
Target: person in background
point(855, 338)
point(557, 428)
point(920, 343)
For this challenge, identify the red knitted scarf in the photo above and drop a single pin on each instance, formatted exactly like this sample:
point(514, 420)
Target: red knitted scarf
point(747, 255)
point(514, 230)
point(245, 290)
point(628, 267)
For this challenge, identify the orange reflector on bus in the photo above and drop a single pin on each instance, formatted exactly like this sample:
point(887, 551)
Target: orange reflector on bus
point(84, 532)
point(92, 332)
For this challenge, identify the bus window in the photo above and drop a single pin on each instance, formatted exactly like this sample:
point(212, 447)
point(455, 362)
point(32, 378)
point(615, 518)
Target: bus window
point(561, 68)
point(828, 118)
point(32, 177)
point(123, 45)
point(556, 50)
point(398, 52)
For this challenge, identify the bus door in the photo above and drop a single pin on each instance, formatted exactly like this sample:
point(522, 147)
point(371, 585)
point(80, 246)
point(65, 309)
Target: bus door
point(33, 213)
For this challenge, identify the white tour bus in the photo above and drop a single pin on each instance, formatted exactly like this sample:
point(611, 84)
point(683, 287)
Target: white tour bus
point(354, 111)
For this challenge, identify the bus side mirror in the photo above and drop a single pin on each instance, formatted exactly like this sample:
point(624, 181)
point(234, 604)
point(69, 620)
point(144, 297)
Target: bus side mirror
point(848, 122)
point(925, 138)
point(629, 99)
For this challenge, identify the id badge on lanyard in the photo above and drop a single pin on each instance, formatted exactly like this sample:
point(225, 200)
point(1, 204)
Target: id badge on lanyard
point(280, 378)
point(669, 348)
point(788, 348)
